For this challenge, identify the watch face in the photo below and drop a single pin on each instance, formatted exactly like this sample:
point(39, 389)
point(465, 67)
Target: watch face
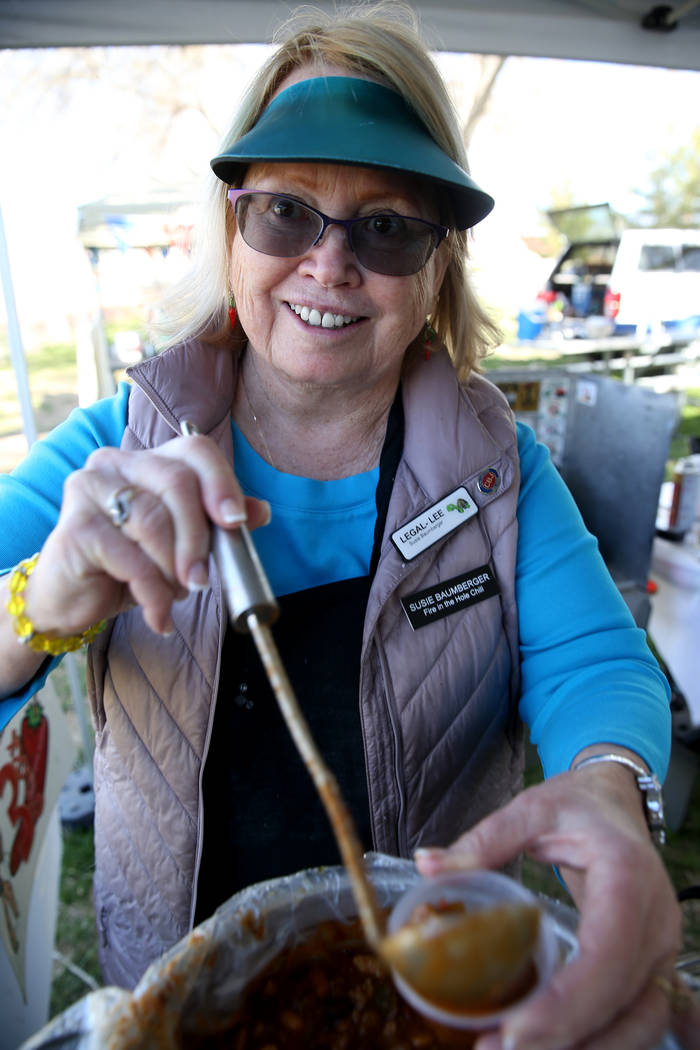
point(654, 805)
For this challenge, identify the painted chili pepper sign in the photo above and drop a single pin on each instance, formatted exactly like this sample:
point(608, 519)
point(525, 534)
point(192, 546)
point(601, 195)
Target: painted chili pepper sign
point(25, 771)
point(36, 754)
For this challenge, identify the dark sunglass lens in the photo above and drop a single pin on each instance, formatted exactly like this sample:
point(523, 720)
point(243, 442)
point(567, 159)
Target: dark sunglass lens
point(276, 225)
point(393, 244)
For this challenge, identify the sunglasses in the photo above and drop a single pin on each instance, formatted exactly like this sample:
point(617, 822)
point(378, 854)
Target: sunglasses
point(275, 224)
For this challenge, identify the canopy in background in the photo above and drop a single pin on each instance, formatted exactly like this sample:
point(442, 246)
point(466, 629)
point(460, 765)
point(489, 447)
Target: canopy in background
point(597, 30)
point(153, 216)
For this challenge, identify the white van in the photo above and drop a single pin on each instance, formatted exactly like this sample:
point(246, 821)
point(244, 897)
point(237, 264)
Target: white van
point(620, 281)
point(655, 282)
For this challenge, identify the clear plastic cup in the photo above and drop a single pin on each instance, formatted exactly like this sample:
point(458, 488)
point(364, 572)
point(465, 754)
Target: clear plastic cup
point(475, 890)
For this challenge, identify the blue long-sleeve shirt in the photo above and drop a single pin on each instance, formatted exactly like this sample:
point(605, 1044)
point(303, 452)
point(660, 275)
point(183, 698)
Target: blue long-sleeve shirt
point(587, 673)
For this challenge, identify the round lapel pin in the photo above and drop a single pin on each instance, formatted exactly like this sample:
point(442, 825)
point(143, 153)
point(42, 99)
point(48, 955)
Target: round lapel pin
point(489, 480)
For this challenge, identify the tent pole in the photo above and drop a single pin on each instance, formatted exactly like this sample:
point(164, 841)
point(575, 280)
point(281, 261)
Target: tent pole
point(20, 368)
point(19, 363)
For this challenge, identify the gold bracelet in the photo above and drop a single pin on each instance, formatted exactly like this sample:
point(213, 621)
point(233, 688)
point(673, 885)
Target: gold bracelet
point(23, 626)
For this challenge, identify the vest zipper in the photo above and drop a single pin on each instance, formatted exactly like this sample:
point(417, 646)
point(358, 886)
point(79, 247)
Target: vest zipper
point(223, 622)
point(401, 846)
point(401, 836)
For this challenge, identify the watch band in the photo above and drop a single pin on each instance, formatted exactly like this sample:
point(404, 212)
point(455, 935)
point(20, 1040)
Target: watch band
point(649, 785)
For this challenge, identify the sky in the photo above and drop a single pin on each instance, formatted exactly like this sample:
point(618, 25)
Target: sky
point(593, 130)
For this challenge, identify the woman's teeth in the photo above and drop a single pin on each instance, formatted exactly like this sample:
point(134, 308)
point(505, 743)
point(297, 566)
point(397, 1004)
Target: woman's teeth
point(326, 320)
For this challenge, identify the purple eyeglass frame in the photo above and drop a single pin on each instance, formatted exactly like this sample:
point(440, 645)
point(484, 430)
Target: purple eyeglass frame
point(440, 231)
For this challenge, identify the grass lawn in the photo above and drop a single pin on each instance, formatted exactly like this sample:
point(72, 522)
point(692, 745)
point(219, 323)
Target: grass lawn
point(689, 426)
point(53, 381)
point(75, 961)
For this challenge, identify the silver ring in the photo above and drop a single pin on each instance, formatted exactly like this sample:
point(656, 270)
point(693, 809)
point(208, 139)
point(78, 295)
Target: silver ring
point(119, 505)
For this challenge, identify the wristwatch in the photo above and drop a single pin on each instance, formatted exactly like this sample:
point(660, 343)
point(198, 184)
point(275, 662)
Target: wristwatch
point(649, 786)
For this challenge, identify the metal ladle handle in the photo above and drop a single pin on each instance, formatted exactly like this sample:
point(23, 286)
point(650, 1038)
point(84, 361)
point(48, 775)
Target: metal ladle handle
point(243, 578)
point(246, 587)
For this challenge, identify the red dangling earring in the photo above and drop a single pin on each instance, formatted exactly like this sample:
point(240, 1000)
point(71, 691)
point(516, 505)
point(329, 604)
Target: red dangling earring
point(430, 337)
point(232, 310)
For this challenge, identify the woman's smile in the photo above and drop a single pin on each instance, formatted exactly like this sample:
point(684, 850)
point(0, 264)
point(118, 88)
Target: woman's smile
point(316, 317)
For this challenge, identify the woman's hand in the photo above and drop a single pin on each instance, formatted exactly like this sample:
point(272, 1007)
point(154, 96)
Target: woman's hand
point(92, 567)
point(614, 995)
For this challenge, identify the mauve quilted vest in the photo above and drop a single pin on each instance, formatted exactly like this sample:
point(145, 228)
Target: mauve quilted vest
point(438, 704)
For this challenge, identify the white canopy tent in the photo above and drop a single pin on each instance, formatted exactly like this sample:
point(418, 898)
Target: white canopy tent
point(153, 216)
point(632, 31)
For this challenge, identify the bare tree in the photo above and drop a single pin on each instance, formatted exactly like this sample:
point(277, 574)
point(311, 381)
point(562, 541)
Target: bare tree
point(154, 99)
point(489, 68)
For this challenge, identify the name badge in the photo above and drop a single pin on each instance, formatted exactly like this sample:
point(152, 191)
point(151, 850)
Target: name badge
point(437, 521)
point(450, 596)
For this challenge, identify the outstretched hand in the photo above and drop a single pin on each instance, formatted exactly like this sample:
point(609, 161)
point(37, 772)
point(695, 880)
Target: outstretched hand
point(614, 995)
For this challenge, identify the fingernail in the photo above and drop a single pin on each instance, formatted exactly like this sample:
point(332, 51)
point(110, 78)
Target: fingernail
point(198, 577)
point(516, 1037)
point(232, 513)
point(430, 860)
point(168, 628)
point(453, 859)
point(428, 853)
point(268, 513)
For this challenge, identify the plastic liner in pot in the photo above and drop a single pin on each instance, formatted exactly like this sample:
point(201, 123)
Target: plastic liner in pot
point(198, 986)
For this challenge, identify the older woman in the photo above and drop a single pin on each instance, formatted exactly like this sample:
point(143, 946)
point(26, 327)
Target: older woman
point(428, 558)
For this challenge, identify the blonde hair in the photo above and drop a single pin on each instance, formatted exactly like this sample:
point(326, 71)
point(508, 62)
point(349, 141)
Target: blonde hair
point(380, 41)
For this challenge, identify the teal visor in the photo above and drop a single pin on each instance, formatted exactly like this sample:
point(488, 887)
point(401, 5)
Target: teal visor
point(346, 120)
